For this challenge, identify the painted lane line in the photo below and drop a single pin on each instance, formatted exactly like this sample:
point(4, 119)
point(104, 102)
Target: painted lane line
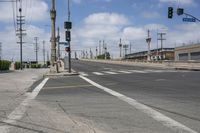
point(98, 73)
point(19, 111)
point(137, 71)
point(166, 121)
point(83, 73)
point(127, 72)
point(109, 72)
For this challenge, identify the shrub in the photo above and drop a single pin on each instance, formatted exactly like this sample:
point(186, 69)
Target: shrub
point(4, 65)
point(17, 65)
point(35, 65)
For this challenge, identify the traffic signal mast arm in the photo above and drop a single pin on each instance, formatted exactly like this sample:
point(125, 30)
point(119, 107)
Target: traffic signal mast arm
point(192, 16)
point(180, 11)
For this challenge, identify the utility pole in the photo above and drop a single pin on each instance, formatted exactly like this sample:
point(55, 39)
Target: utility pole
point(105, 49)
point(120, 47)
point(148, 40)
point(91, 53)
point(125, 49)
point(100, 47)
point(53, 37)
point(58, 41)
point(130, 48)
point(44, 52)
point(0, 51)
point(36, 49)
point(96, 51)
point(161, 39)
point(47, 56)
point(20, 22)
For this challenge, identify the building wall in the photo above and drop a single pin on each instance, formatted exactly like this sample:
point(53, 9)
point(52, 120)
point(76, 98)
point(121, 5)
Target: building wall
point(185, 53)
point(168, 54)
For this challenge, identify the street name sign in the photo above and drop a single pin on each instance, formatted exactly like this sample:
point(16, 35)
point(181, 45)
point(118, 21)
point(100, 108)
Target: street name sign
point(63, 43)
point(189, 19)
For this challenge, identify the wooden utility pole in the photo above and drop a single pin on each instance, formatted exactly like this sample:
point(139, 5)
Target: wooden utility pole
point(44, 52)
point(36, 49)
point(58, 41)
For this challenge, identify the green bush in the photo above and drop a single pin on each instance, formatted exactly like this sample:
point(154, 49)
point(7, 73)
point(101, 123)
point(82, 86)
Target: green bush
point(4, 65)
point(17, 65)
point(35, 65)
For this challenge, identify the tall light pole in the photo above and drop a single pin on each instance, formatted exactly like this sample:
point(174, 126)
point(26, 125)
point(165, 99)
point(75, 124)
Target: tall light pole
point(148, 40)
point(53, 38)
point(44, 52)
point(120, 48)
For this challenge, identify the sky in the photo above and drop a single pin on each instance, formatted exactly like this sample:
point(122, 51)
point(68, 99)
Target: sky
point(94, 20)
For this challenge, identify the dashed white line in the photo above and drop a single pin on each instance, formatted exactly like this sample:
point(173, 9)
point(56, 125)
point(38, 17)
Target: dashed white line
point(109, 72)
point(166, 121)
point(137, 71)
point(128, 72)
point(83, 73)
point(98, 73)
point(21, 109)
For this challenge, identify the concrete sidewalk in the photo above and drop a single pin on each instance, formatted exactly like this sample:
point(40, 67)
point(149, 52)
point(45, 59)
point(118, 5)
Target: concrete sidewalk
point(13, 88)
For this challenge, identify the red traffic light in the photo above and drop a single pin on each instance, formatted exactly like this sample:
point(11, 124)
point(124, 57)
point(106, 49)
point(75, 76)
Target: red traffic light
point(67, 49)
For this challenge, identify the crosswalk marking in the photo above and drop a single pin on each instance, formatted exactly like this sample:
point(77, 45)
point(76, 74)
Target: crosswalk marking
point(137, 71)
point(98, 73)
point(83, 74)
point(109, 72)
point(128, 72)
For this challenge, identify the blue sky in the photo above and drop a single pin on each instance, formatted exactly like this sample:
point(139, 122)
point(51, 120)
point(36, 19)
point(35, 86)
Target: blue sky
point(95, 20)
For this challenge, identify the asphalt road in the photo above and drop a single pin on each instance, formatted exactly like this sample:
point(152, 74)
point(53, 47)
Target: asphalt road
point(118, 99)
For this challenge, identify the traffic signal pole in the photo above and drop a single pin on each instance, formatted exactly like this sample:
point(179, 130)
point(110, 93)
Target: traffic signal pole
point(69, 53)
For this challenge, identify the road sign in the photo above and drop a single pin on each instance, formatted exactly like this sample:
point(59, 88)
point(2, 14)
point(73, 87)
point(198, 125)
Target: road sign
point(63, 43)
point(189, 19)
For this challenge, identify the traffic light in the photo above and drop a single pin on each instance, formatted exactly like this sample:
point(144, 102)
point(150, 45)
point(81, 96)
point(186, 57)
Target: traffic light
point(68, 25)
point(67, 49)
point(180, 11)
point(67, 36)
point(170, 12)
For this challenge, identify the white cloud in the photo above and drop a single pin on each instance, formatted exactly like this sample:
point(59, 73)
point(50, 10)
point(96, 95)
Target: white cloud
point(106, 19)
point(155, 27)
point(77, 1)
point(134, 33)
point(185, 33)
point(10, 48)
point(150, 15)
point(184, 2)
point(36, 10)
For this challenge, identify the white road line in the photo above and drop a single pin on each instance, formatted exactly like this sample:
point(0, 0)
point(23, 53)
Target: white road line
point(166, 121)
point(109, 72)
point(83, 73)
point(19, 111)
point(137, 71)
point(128, 72)
point(98, 73)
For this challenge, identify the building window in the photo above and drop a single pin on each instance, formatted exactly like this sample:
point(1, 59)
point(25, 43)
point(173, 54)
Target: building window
point(183, 56)
point(195, 56)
